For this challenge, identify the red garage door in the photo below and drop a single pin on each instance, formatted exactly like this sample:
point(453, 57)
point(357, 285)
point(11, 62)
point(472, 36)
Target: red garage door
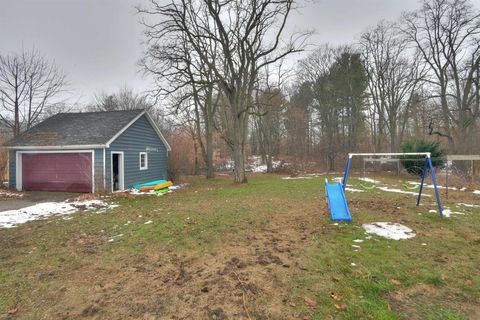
point(70, 172)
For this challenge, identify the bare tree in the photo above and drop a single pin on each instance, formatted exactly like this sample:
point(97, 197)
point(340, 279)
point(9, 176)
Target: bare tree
point(29, 85)
point(231, 38)
point(182, 77)
point(124, 99)
point(447, 35)
point(394, 73)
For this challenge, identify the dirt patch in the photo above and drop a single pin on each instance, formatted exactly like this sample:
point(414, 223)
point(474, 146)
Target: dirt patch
point(409, 302)
point(234, 283)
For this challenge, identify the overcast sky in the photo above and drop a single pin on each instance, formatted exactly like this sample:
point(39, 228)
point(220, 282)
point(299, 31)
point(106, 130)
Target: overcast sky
point(98, 42)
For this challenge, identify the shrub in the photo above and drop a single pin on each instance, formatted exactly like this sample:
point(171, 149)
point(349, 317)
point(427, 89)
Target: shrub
point(415, 166)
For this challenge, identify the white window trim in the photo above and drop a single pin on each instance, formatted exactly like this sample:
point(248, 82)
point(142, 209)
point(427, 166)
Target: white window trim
point(121, 169)
point(140, 160)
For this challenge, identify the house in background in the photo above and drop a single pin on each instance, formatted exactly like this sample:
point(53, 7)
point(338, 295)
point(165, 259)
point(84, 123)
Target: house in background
point(89, 152)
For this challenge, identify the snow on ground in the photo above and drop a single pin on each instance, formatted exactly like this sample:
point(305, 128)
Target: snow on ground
point(387, 189)
point(9, 194)
point(468, 205)
point(389, 230)
point(353, 190)
point(296, 178)
point(12, 218)
point(448, 213)
point(370, 180)
point(255, 163)
point(431, 186)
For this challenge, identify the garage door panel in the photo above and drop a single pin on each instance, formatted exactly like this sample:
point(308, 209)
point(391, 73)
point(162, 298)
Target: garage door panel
point(57, 172)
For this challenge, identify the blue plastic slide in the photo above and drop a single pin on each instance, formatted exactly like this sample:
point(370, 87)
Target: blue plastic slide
point(337, 203)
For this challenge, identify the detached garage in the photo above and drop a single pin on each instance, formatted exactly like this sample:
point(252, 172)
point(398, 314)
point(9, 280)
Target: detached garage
point(89, 152)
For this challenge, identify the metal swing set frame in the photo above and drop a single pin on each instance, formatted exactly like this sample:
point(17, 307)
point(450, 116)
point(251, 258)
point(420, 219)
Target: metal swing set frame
point(427, 166)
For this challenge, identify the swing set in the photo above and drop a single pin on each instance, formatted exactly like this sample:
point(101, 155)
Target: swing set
point(428, 166)
point(335, 192)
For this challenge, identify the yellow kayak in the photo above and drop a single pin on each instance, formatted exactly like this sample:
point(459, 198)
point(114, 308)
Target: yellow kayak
point(157, 186)
point(163, 185)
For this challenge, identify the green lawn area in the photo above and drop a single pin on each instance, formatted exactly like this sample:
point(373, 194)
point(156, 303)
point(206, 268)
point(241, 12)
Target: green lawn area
point(265, 250)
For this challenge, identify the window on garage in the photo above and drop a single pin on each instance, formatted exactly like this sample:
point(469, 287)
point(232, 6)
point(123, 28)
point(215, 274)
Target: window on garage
point(143, 159)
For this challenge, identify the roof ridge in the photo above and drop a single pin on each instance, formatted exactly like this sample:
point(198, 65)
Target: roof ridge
point(109, 111)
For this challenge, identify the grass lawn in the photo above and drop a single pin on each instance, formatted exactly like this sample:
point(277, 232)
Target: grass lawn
point(265, 250)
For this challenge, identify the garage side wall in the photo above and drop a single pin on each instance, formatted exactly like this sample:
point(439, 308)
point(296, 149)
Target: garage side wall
point(98, 165)
point(139, 137)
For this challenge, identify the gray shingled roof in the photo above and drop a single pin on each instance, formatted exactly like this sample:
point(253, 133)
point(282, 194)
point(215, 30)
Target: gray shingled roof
point(85, 128)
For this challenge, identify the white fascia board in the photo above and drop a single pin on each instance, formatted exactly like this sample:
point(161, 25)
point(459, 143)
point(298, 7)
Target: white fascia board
point(157, 130)
point(62, 147)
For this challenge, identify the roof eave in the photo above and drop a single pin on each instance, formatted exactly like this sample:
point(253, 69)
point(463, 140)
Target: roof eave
point(56, 147)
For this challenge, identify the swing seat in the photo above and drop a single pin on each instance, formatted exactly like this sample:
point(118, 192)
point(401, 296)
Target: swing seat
point(410, 187)
point(368, 187)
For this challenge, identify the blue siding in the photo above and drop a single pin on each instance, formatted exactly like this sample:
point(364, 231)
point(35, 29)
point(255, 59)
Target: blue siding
point(137, 138)
point(98, 165)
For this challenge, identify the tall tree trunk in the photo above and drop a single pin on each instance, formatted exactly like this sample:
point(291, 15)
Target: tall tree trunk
point(210, 172)
point(239, 162)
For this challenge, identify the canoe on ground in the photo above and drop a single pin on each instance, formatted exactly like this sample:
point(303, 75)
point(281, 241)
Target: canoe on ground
point(163, 185)
point(161, 191)
point(146, 184)
point(157, 186)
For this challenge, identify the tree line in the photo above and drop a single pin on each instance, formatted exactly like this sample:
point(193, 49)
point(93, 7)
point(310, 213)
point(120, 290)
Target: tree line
point(222, 70)
point(220, 64)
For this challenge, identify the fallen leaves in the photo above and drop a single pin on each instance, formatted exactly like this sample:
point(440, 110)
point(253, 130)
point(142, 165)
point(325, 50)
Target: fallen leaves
point(12, 311)
point(335, 296)
point(395, 282)
point(341, 306)
point(310, 302)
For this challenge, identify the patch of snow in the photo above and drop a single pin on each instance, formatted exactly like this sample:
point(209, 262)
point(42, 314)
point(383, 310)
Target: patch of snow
point(387, 189)
point(358, 240)
point(432, 211)
point(295, 178)
point(337, 179)
point(448, 213)
point(469, 205)
point(355, 246)
point(353, 190)
point(370, 180)
point(389, 230)
point(476, 192)
point(149, 222)
point(424, 244)
point(178, 186)
point(137, 192)
point(316, 174)
point(12, 218)
point(353, 264)
point(431, 186)
point(8, 194)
